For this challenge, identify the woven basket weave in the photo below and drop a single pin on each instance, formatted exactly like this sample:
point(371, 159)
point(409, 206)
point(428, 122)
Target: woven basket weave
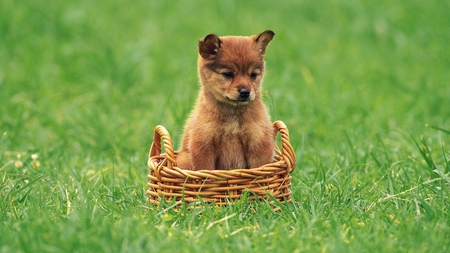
point(220, 186)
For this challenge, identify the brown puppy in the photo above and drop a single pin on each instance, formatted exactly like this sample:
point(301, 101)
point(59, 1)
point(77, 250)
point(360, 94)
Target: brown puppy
point(229, 127)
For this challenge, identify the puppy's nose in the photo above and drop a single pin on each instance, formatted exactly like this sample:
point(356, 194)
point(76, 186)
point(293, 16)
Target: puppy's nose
point(244, 93)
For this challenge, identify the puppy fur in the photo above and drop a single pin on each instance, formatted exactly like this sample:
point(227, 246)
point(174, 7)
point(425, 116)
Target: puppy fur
point(229, 127)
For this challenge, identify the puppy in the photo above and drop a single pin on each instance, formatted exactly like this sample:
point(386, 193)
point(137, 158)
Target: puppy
point(229, 127)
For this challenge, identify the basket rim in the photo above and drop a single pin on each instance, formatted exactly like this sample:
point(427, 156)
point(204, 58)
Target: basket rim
point(159, 162)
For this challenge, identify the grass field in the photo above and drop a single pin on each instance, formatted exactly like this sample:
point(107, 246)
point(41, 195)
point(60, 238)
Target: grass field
point(362, 85)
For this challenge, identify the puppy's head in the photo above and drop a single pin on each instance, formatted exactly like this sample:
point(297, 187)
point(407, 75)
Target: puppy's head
point(231, 68)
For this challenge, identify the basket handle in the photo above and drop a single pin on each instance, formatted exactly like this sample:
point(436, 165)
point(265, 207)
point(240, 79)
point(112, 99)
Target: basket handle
point(155, 150)
point(287, 152)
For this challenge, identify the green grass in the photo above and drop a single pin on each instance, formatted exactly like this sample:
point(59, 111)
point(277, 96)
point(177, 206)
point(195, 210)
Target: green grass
point(363, 87)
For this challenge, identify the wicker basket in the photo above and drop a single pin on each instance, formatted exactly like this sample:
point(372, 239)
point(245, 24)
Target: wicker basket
point(219, 186)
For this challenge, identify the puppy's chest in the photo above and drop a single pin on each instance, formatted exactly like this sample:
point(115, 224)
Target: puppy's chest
point(234, 132)
point(230, 128)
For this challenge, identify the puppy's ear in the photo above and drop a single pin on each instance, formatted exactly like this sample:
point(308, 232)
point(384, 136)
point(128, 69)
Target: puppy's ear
point(263, 39)
point(209, 46)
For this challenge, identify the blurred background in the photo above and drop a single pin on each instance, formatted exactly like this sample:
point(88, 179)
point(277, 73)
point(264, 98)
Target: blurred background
point(89, 80)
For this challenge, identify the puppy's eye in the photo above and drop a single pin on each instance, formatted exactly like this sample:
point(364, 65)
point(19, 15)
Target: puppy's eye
point(228, 74)
point(253, 75)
